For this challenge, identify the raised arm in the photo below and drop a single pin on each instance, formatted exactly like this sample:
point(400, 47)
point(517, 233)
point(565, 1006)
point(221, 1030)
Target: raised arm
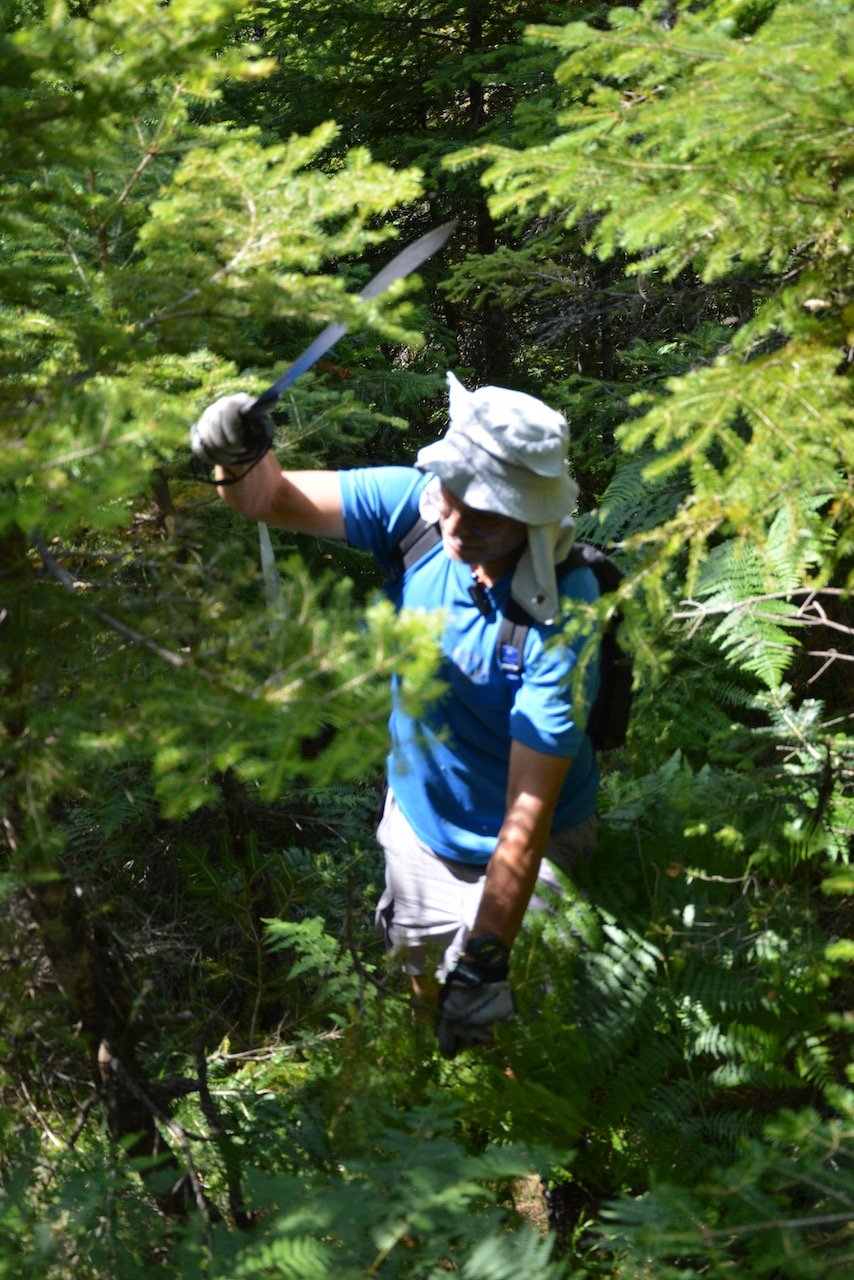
point(305, 501)
point(232, 439)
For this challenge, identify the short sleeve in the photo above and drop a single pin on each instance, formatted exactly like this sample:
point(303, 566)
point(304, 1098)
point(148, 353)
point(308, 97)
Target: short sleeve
point(545, 714)
point(380, 504)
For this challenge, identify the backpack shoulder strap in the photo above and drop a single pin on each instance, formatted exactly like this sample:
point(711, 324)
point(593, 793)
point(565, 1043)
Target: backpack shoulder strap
point(516, 621)
point(583, 555)
point(608, 717)
point(419, 538)
point(417, 541)
point(512, 633)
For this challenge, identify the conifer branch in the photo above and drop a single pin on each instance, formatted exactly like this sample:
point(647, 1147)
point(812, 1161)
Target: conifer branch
point(697, 612)
point(152, 149)
point(130, 633)
point(168, 312)
point(771, 1224)
point(176, 660)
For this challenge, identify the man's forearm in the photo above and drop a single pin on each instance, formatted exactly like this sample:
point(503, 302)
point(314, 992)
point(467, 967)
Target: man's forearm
point(510, 879)
point(305, 501)
point(533, 788)
point(254, 493)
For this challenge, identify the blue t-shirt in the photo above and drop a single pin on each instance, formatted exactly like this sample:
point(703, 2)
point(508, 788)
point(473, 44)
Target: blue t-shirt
point(448, 769)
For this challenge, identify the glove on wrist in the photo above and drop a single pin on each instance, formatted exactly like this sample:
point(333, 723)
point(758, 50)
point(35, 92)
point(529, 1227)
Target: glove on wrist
point(226, 434)
point(488, 955)
point(475, 995)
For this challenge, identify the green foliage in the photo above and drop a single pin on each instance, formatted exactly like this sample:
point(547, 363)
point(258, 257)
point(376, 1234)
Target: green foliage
point(680, 996)
point(143, 257)
point(783, 1208)
point(338, 1177)
point(418, 76)
point(666, 111)
point(140, 241)
point(752, 589)
point(411, 81)
point(180, 215)
point(339, 985)
point(416, 1205)
point(706, 144)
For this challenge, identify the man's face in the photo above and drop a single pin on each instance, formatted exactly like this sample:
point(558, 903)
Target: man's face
point(478, 537)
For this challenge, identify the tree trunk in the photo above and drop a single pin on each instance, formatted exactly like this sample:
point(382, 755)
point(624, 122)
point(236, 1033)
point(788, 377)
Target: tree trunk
point(85, 960)
point(493, 359)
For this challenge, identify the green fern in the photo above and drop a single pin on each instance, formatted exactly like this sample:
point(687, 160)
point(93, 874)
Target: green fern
point(783, 1208)
point(750, 587)
point(413, 1203)
point(671, 1011)
point(633, 503)
point(291, 1256)
point(525, 1253)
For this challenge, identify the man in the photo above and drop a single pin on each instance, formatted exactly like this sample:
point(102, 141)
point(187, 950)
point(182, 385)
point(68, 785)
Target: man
point(497, 773)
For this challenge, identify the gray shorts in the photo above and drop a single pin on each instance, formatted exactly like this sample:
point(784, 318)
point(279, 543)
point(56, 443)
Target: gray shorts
point(429, 904)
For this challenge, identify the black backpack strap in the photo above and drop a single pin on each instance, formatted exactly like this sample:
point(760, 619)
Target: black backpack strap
point(608, 719)
point(516, 621)
point(510, 645)
point(583, 555)
point(418, 541)
point(420, 538)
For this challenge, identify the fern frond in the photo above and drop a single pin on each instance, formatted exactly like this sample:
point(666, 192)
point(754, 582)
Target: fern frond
point(720, 988)
point(815, 1060)
point(633, 502)
point(293, 1257)
point(525, 1253)
point(783, 1207)
point(745, 590)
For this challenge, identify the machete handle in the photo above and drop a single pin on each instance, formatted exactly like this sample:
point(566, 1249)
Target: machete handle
point(257, 432)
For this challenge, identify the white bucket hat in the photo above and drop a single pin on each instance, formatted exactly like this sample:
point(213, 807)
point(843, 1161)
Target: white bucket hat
point(505, 451)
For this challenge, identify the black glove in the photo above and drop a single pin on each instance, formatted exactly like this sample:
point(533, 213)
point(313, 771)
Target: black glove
point(227, 434)
point(475, 995)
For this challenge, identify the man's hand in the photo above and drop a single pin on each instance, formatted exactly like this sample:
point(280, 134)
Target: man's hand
point(475, 995)
point(225, 434)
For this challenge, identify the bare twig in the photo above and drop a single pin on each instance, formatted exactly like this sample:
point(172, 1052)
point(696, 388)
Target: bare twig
point(130, 633)
point(79, 1125)
point(46, 1129)
point(82, 1117)
point(809, 613)
point(269, 1053)
point(75, 455)
point(830, 656)
point(175, 660)
point(220, 274)
point(109, 1063)
point(220, 1135)
point(747, 882)
point(152, 149)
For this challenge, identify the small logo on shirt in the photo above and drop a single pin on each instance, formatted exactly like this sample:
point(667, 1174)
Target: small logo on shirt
point(510, 659)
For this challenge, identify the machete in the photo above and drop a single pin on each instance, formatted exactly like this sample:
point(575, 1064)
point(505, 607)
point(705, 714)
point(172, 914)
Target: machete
point(402, 265)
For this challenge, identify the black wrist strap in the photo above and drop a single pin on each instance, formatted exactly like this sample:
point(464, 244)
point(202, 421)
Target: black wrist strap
point(230, 478)
point(489, 956)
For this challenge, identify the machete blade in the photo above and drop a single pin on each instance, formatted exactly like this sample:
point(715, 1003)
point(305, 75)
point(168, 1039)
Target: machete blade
point(402, 265)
